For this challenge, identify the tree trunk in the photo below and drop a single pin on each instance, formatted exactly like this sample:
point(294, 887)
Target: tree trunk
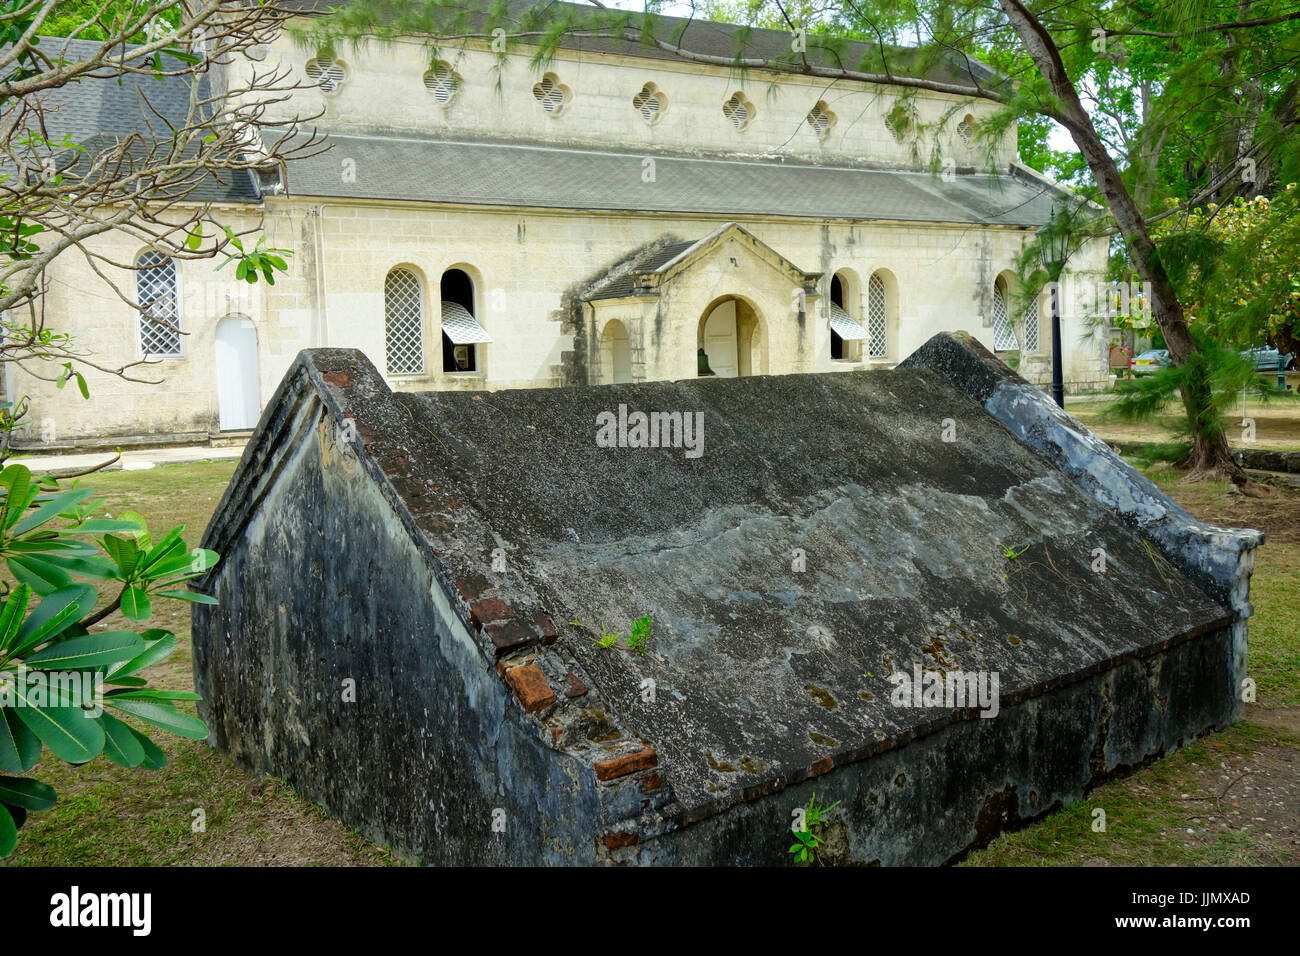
point(1210, 456)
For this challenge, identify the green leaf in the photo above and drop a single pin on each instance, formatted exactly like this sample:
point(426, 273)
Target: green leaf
point(195, 597)
point(135, 604)
point(154, 758)
point(70, 733)
point(95, 567)
point(93, 650)
point(99, 526)
point(17, 480)
point(124, 553)
point(44, 577)
point(8, 832)
point(52, 509)
point(121, 745)
point(19, 747)
point(139, 527)
point(157, 651)
point(193, 562)
point(127, 681)
point(59, 548)
point(162, 714)
point(53, 614)
point(153, 693)
point(26, 793)
point(11, 616)
point(167, 547)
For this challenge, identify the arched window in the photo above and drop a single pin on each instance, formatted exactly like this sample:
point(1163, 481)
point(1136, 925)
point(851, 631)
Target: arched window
point(461, 333)
point(404, 323)
point(1029, 323)
point(1004, 336)
point(878, 316)
point(846, 334)
point(837, 299)
point(616, 354)
point(160, 305)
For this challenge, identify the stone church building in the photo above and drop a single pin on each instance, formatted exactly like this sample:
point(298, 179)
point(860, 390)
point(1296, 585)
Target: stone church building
point(484, 226)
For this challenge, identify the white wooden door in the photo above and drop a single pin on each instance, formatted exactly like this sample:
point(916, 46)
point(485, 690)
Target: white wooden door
point(720, 340)
point(238, 394)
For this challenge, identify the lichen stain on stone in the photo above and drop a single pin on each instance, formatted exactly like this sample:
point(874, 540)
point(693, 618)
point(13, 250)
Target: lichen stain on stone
point(999, 812)
point(822, 696)
point(722, 767)
point(822, 740)
point(332, 456)
point(866, 695)
point(939, 651)
point(1012, 639)
point(752, 765)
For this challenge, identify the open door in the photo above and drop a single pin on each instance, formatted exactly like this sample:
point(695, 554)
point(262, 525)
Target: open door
point(238, 392)
point(720, 340)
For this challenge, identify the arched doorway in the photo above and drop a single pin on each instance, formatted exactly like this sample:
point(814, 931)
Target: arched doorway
point(720, 342)
point(238, 391)
point(616, 353)
point(730, 335)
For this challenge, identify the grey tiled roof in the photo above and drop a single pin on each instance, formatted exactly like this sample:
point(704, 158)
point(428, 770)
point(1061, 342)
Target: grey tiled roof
point(623, 283)
point(97, 112)
point(496, 174)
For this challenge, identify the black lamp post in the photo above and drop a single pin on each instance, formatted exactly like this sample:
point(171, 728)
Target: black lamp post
point(1053, 244)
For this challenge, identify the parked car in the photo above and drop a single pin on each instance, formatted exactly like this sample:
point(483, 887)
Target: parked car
point(1265, 358)
point(1152, 360)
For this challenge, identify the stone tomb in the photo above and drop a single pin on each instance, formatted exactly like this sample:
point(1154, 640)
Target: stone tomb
point(400, 572)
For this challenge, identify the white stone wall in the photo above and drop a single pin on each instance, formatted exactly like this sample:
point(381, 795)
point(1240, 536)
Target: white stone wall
point(384, 91)
point(524, 264)
point(105, 329)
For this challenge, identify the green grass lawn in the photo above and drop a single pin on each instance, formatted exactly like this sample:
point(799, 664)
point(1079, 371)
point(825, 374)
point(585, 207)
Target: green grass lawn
point(1277, 421)
point(1230, 798)
point(109, 815)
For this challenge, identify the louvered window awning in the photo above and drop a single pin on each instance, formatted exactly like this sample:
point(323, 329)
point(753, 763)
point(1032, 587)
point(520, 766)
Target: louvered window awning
point(461, 327)
point(845, 326)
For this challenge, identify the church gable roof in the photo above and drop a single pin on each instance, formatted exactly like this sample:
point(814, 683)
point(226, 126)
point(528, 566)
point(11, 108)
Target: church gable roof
point(661, 262)
point(480, 173)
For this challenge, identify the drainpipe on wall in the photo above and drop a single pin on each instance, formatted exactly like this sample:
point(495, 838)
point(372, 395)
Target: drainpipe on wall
point(322, 326)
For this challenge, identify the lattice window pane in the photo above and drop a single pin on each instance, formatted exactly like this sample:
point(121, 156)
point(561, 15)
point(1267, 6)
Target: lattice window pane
point(1029, 325)
point(649, 103)
point(442, 82)
point(550, 92)
point(404, 323)
point(738, 110)
point(160, 313)
point(966, 130)
point(1004, 336)
point(821, 120)
point(878, 316)
point(328, 74)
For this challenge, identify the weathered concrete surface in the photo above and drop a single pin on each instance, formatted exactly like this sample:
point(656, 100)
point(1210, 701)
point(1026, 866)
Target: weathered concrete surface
point(359, 536)
point(1219, 560)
